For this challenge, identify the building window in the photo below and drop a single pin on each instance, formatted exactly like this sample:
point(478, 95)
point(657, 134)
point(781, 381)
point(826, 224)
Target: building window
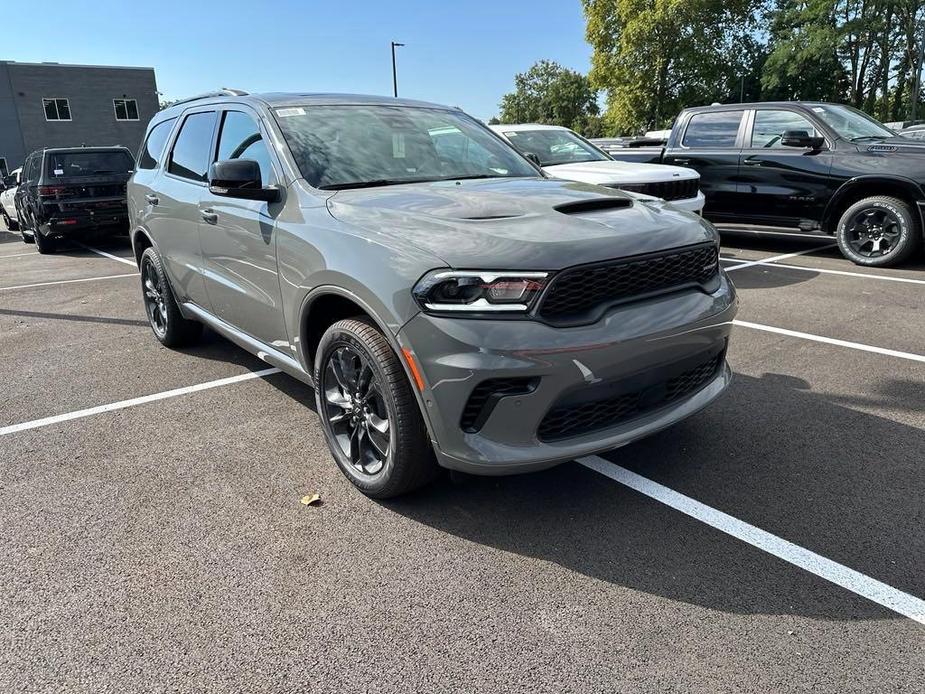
point(126, 109)
point(57, 109)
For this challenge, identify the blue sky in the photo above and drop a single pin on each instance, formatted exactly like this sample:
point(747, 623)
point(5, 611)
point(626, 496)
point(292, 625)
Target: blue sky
point(463, 53)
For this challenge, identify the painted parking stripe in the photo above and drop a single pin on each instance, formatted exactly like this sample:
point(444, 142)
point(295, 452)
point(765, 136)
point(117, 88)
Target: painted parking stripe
point(831, 341)
point(845, 273)
point(107, 255)
point(781, 257)
point(84, 279)
point(849, 579)
point(122, 404)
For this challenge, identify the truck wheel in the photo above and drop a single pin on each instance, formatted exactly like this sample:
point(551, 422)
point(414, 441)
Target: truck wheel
point(879, 231)
point(43, 244)
point(10, 224)
point(368, 412)
point(168, 324)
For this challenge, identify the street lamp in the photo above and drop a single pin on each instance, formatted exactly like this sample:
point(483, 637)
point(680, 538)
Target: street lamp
point(394, 72)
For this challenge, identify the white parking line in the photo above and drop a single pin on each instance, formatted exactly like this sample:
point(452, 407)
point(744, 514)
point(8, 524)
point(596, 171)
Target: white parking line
point(764, 261)
point(107, 255)
point(84, 279)
point(831, 341)
point(122, 404)
point(846, 273)
point(849, 579)
point(18, 255)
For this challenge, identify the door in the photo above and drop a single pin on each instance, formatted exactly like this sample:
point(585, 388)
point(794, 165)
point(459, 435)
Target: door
point(783, 185)
point(710, 144)
point(238, 241)
point(172, 207)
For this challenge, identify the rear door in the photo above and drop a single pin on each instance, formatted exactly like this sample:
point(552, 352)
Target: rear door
point(782, 186)
point(238, 237)
point(710, 143)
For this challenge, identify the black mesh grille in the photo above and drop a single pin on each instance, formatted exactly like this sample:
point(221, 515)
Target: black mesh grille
point(485, 396)
point(575, 420)
point(578, 292)
point(666, 190)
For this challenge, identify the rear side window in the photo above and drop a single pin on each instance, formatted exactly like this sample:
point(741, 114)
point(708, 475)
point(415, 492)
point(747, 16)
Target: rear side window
point(190, 155)
point(153, 147)
point(241, 139)
point(715, 129)
point(87, 163)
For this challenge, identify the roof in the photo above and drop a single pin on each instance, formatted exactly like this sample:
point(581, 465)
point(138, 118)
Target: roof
point(756, 104)
point(524, 126)
point(278, 99)
point(95, 148)
point(14, 63)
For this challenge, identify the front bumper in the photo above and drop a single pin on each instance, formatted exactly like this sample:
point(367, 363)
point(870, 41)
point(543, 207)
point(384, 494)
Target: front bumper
point(647, 337)
point(690, 204)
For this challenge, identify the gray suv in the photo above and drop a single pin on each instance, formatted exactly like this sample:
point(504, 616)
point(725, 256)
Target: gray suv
point(450, 304)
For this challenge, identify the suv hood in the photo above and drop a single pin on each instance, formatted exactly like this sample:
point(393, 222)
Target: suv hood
point(610, 172)
point(514, 224)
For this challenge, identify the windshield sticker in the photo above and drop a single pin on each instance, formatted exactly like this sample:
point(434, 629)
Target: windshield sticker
point(288, 112)
point(59, 172)
point(398, 145)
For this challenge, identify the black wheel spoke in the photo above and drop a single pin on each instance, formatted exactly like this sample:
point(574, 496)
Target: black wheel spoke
point(873, 233)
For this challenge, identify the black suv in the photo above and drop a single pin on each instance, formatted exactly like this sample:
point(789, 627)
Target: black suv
point(807, 166)
point(73, 191)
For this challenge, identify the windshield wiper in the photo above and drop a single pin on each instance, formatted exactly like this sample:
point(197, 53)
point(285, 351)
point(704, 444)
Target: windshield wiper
point(368, 184)
point(868, 137)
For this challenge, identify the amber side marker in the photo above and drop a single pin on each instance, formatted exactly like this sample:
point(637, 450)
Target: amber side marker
point(414, 368)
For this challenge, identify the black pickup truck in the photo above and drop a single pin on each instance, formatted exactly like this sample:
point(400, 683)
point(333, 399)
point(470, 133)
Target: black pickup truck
point(69, 192)
point(804, 166)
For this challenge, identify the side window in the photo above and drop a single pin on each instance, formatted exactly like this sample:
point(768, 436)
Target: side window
point(241, 139)
point(153, 146)
point(713, 129)
point(190, 155)
point(770, 126)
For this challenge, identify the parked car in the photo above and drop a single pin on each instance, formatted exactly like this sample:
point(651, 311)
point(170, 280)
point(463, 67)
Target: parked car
point(7, 204)
point(72, 192)
point(804, 166)
point(451, 304)
point(914, 132)
point(565, 154)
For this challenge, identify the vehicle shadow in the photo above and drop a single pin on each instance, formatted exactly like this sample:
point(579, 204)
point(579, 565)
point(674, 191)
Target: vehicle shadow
point(763, 277)
point(586, 523)
point(72, 317)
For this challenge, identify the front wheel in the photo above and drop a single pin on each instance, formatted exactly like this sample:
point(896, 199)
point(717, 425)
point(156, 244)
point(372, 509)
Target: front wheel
point(368, 412)
point(168, 324)
point(878, 231)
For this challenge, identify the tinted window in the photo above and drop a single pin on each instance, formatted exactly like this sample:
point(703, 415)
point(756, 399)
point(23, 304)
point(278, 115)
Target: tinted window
point(770, 126)
point(87, 163)
point(190, 156)
point(717, 129)
point(554, 146)
point(241, 139)
point(355, 146)
point(154, 146)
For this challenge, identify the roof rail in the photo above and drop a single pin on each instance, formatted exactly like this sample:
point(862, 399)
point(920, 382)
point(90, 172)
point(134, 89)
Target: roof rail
point(224, 91)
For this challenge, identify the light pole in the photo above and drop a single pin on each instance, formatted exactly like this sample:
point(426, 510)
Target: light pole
point(394, 71)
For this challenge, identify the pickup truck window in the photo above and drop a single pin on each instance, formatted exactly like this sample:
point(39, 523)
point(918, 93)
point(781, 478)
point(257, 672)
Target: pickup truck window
point(713, 129)
point(770, 126)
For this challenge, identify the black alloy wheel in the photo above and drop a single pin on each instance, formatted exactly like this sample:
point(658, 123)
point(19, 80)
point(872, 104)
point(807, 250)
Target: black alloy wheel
point(874, 232)
point(154, 298)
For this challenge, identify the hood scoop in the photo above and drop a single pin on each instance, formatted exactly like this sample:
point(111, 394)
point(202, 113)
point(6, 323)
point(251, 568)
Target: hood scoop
point(594, 205)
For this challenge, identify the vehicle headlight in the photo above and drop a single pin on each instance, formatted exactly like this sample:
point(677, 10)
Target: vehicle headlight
point(479, 291)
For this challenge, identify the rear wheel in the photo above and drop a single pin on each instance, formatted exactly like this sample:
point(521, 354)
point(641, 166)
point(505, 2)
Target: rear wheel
point(878, 232)
point(168, 324)
point(10, 224)
point(43, 244)
point(368, 412)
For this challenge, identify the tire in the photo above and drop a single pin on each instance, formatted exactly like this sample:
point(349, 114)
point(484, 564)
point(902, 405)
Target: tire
point(879, 231)
point(43, 244)
point(10, 224)
point(408, 461)
point(167, 323)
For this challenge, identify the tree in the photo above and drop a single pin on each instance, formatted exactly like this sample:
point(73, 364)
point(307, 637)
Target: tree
point(654, 57)
point(551, 94)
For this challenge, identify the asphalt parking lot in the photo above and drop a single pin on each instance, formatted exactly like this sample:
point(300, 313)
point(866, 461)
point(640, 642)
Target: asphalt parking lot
point(772, 543)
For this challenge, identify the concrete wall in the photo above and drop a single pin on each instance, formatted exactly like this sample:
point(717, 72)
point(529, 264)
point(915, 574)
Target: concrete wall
point(90, 91)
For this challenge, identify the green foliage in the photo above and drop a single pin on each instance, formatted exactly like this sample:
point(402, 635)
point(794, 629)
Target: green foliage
point(551, 94)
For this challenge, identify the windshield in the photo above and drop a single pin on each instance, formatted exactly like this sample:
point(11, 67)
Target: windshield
point(850, 123)
point(63, 164)
point(554, 146)
point(360, 146)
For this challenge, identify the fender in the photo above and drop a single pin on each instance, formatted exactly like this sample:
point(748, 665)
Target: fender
point(909, 187)
point(391, 338)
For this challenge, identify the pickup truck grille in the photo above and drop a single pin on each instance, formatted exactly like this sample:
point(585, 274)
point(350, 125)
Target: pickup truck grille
point(681, 189)
point(581, 294)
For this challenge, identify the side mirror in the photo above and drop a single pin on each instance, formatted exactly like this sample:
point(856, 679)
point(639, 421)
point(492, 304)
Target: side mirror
point(240, 178)
point(534, 158)
point(802, 139)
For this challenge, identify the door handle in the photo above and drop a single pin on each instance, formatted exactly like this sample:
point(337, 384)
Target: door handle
point(682, 162)
point(209, 216)
point(152, 199)
point(752, 162)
